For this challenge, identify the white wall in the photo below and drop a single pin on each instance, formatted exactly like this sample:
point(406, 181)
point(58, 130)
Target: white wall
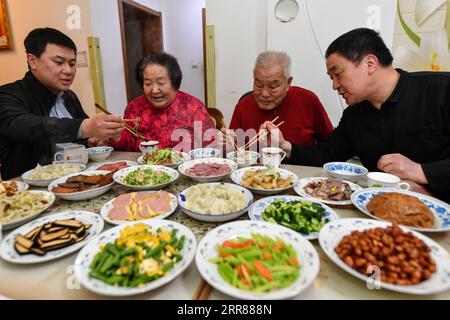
point(324, 20)
point(240, 31)
point(245, 28)
point(184, 39)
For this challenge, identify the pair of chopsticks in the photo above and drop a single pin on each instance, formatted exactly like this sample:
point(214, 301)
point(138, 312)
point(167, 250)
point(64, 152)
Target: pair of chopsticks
point(127, 127)
point(230, 138)
point(261, 135)
point(203, 290)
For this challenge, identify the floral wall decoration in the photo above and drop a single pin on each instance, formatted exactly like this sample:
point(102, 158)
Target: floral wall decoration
point(431, 49)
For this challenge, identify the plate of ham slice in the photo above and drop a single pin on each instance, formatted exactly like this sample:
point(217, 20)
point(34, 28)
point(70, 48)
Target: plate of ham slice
point(138, 206)
point(113, 165)
point(208, 170)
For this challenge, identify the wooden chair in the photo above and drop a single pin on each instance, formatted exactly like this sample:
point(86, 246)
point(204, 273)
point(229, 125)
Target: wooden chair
point(217, 117)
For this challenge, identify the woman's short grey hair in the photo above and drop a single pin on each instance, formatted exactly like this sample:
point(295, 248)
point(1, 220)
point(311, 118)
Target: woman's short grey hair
point(269, 58)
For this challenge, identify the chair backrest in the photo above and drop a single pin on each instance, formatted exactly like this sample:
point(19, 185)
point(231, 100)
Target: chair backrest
point(246, 94)
point(217, 117)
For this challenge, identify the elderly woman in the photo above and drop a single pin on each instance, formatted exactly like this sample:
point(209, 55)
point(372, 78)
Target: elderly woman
point(165, 113)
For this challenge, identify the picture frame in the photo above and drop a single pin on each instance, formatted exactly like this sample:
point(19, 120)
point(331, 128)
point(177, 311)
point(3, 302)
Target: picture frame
point(5, 30)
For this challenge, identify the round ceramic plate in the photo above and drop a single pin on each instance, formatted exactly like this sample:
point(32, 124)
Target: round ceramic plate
point(81, 195)
point(257, 209)
point(182, 197)
point(184, 157)
point(183, 168)
point(45, 196)
point(239, 174)
point(8, 252)
point(440, 209)
point(332, 233)
point(104, 212)
point(87, 254)
point(302, 183)
point(98, 165)
point(307, 257)
point(120, 175)
point(44, 183)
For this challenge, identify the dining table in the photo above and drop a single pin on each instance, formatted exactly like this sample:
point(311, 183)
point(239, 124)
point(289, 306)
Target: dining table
point(56, 279)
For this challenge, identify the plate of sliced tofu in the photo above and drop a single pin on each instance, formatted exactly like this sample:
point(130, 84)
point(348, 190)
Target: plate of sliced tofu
point(51, 237)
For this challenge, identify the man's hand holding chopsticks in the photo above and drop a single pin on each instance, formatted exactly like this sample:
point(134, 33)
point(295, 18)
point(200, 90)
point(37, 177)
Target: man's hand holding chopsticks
point(102, 126)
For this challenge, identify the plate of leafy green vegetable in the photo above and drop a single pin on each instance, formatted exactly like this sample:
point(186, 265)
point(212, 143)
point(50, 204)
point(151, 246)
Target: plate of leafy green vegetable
point(146, 177)
point(303, 215)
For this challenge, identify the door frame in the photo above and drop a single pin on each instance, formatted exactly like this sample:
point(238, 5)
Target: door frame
point(140, 7)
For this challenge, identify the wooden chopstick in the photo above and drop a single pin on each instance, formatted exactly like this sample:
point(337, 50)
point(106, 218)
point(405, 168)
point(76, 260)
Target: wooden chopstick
point(129, 129)
point(233, 143)
point(256, 137)
point(203, 290)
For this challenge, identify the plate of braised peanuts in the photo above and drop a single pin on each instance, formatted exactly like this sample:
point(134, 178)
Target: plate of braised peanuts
point(387, 255)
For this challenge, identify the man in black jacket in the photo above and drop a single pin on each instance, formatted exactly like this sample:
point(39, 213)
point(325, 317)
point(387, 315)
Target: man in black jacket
point(39, 112)
point(397, 122)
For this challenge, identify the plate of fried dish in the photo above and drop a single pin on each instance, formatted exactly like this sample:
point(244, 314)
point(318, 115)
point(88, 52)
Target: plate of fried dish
point(411, 209)
point(265, 180)
point(257, 260)
point(387, 256)
point(51, 237)
point(135, 258)
point(146, 177)
point(138, 206)
point(12, 187)
point(42, 176)
point(304, 215)
point(22, 207)
point(327, 190)
point(165, 157)
point(78, 187)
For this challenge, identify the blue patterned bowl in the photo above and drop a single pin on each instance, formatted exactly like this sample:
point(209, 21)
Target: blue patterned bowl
point(99, 153)
point(203, 153)
point(345, 170)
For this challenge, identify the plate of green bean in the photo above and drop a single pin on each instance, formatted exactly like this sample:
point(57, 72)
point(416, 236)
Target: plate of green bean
point(257, 260)
point(135, 258)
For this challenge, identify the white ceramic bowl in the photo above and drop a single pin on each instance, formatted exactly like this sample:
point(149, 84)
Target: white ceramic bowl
point(345, 170)
point(44, 183)
point(81, 195)
point(184, 167)
point(252, 159)
point(182, 197)
point(99, 153)
point(120, 175)
point(202, 153)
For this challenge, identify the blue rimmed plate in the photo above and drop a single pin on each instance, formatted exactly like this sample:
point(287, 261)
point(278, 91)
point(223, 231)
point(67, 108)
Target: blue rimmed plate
point(331, 235)
point(440, 209)
point(257, 209)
